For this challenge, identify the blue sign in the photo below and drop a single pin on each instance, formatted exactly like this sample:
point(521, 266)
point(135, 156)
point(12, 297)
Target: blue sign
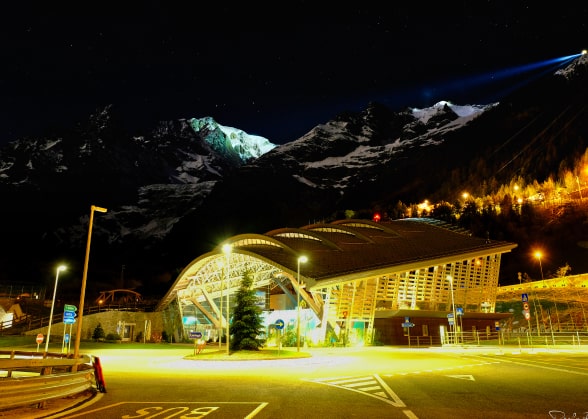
point(66, 337)
point(459, 311)
point(195, 335)
point(69, 314)
point(279, 324)
point(525, 298)
point(69, 320)
point(407, 324)
point(450, 319)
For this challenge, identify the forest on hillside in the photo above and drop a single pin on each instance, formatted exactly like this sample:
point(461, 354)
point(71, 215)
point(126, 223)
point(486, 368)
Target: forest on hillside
point(550, 217)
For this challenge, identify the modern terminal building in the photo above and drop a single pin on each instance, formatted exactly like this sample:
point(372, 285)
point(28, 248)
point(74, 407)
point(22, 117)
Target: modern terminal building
point(349, 281)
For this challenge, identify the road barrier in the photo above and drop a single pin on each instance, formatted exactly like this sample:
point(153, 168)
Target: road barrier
point(29, 378)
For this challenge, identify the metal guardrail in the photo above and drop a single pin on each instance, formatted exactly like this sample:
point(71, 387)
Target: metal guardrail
point(28, 378)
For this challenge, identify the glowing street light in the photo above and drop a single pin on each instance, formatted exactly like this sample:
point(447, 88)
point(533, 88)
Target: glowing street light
point(301, 259)
point(59, 269)
point(450, 279)
point(227, 248)
point(84, 278)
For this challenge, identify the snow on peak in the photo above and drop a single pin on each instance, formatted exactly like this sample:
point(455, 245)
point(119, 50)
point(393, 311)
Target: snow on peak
point(245, 145)
point(460, 110)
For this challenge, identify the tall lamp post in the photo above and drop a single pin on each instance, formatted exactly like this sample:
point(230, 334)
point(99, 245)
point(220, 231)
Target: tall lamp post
point(84, 278)
point(538, 256)
point(59, 269)
point(227, 251)
point(450, 279)
point(301, 259)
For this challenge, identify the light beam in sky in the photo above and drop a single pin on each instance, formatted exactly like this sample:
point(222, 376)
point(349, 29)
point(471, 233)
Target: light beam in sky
point(520, 75)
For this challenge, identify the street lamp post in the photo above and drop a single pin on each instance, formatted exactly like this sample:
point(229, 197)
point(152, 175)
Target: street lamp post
point(301, 259)
point(538, 256)
point(227, 251)
point(84, 278)
point(59, 269)
point(450, 279)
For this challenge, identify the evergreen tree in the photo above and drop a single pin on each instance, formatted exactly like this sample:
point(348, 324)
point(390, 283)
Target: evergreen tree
point(98, 333)
point(247, 325)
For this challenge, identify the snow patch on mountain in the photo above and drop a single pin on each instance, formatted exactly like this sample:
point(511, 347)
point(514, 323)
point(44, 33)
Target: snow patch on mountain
point(465, 112)
point(245, 145)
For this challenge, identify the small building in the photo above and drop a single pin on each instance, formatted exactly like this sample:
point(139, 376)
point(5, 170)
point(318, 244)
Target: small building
point(365, 281)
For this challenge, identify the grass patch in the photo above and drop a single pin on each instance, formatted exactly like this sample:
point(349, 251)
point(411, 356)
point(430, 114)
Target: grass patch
point(221, 355)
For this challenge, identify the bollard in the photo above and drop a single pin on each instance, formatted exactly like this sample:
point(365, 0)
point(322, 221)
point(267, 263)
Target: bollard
point(99, 375)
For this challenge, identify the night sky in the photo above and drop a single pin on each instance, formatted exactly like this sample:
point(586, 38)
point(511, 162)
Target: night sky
point(276, 70)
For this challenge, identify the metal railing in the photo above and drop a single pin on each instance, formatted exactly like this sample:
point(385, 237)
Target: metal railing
point(549, 338)
point(28, 378)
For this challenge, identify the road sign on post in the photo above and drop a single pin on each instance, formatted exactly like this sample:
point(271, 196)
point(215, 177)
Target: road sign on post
point(39, 340)
point(279, 326)
point(69, 314)
point(526, 311)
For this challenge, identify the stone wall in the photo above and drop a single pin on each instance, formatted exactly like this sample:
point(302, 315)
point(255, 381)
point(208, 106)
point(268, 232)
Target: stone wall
point(128, 324)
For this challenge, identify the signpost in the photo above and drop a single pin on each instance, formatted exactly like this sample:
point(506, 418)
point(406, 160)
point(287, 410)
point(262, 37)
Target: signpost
point(69, 317)
point(39, 340)
point(279, 326)
point(69, 314)
point(408, 324)
point(527, 313)
point(451, 321)
point(198, 342)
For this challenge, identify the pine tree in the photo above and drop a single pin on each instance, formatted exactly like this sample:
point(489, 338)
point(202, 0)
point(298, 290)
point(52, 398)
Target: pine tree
point(98, 333)
point(247, 325)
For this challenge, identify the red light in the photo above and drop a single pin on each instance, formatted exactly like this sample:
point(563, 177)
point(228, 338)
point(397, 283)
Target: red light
point(376, 217)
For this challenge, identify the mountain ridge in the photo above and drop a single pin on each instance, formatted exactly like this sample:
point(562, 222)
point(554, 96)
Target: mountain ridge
point(179, 190)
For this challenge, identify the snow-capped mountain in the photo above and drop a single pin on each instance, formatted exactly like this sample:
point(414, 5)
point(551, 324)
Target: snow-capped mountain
point(178, 190)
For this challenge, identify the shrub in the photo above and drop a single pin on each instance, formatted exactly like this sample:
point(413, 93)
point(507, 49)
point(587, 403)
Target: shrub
point(113, 337)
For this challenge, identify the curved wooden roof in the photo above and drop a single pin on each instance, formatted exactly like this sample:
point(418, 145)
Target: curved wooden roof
point(346, 250)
